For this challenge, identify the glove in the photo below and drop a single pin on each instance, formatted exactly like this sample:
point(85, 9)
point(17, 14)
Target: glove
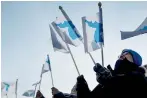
point(55, 91)
point(82, 87)
point(102, 73)
point(81, 79)
point(39, 94)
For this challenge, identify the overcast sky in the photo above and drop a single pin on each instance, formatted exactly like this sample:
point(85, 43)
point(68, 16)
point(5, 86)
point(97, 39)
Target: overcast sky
point(26, 41)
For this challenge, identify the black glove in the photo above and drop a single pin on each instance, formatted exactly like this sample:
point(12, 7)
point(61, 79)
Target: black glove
point(102, 73)
point(82, 87)
point(39, 94)
point(81, 82)
point(111, 70)
point(81, 79)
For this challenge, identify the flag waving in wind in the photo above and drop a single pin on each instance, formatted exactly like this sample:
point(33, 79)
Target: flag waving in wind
point(58, 43)
point(64, 29)
point(8, 87)
point(66, 26)
point(92, 32)
point(140, 30)
point(46, 67)
point(48, 62)
point(29, 93)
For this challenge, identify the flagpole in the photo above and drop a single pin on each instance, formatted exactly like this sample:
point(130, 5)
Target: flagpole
point(92, 58)
point(64, 13)
point(35, 90)
point(35, 87)
point(63, 37)
point(51, 73)
point(102, 56)
point(73, 59)
point(41, 77)
point(16, 87)
point(7, 95)
point(101, 19)
point(40, 82)
point(52, 79)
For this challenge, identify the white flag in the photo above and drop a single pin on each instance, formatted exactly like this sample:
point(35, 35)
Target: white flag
point(67, 30)
point(92, 32)
point(58, 43)
point(140, 30)
point(45, 69)
point(8, 88)
point(47, 66)
point(29, 93)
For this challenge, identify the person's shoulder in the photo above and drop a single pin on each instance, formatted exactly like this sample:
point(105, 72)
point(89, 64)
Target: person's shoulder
point(133, 78)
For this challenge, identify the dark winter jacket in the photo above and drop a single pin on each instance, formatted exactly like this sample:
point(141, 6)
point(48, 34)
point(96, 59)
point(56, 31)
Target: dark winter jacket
point(64, 95)
point(126, 82)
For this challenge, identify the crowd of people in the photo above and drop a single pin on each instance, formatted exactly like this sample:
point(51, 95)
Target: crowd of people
point(127, 79)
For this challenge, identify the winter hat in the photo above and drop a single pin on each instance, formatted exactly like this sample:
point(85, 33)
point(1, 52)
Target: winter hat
point(137, 59)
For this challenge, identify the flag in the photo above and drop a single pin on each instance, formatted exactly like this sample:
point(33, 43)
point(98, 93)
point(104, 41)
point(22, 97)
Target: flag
point(47, 66)
point(2, 86)
point(58, 43)
point(29, 93)
point(8, 87)
point(66, 31)
point(45, 69)
point(92, 32)
point(140, 30)
point(48, 62)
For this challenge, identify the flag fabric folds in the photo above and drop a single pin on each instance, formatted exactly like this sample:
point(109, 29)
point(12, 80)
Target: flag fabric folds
point(8, 88)
point(142, 29)
point(29, 93)
point(92, 32)
point(47, 66)
point(58, 43)
point(67, 31)
point(70, 23)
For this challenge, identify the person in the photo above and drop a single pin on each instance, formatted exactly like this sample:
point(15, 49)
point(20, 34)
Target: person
point(58, 94)
point(39, 94)
point(128, 61)
point(143, 70)
point(102, 74)
point(124, 81)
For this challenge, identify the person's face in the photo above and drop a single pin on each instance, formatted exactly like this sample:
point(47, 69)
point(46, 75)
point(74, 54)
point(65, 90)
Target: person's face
point(126, 55)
